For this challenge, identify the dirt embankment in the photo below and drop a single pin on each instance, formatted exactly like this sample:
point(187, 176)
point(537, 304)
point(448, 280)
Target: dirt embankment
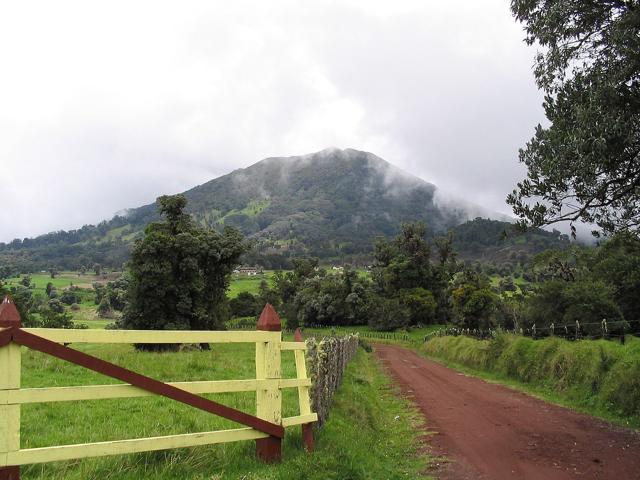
point(489, 431)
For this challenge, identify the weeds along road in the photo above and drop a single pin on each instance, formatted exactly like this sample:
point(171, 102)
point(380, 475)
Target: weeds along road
point(488, 431)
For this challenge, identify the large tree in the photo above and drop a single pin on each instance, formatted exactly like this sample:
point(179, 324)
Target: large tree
point(585, 165)
point(179, 273)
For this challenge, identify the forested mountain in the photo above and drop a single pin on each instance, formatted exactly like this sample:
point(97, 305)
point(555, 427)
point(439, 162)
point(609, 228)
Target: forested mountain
point(329, 204)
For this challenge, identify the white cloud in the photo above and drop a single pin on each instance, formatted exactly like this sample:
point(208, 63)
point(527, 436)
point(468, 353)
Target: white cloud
point(105, 106)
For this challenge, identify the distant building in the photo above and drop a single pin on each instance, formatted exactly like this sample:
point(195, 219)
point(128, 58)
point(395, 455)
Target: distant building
point(248, 271)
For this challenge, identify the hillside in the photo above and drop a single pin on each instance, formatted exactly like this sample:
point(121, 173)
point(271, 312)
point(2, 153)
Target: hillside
point(329, 204)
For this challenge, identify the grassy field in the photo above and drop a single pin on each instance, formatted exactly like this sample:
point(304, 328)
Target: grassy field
point(244, 283)
point(599, 377)
point(61, 281)
point(371, 433)
point(86, 314)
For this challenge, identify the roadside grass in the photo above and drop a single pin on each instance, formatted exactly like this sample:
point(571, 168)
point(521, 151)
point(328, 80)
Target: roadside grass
point(371, 433)
point(598, 377)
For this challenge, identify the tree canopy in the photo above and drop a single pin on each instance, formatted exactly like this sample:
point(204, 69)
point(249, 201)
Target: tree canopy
point(585, 165)
point(179, 273)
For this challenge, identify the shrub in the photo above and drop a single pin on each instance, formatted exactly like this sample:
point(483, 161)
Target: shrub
point(598, 373)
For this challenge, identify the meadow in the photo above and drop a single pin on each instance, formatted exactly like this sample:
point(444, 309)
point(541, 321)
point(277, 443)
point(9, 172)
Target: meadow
point(362, 439)
point(86, 313)
point(244, 283)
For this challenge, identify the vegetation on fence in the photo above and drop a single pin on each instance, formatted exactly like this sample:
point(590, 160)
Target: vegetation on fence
point(599, 376)
point(327, 359)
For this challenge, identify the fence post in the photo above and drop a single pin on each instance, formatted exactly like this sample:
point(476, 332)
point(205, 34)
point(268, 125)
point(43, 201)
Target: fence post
point(303, 394)
point(9, 380)
point(269, 399)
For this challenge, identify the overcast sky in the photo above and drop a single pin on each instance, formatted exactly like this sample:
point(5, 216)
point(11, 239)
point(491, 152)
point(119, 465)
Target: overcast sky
point(106, 105)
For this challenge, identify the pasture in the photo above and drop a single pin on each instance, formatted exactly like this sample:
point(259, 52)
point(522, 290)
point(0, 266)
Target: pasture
point(365, 400)
point(244, 283)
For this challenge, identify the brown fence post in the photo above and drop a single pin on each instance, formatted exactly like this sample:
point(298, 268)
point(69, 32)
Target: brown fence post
point(9, 380)
point(307, 428)
point(269, 400)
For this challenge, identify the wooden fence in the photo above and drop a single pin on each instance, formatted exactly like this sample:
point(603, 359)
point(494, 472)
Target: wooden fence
point(266, 427)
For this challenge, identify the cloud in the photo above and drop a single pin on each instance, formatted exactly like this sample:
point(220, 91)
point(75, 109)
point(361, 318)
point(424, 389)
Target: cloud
point(107, 106)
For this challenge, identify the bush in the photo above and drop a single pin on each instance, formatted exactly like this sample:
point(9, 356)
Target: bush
point(68, 297)
point(244, 305)
point(597, 373)
point(388, 314)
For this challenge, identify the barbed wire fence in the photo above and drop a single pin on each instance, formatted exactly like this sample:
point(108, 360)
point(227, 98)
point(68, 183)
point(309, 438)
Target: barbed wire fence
point(617, 330)
point(607, 330)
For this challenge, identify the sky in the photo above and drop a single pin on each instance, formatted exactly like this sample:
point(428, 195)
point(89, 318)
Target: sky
point(106, 105)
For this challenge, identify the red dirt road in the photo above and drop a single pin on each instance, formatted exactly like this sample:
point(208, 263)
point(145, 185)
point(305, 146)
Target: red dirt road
point(488, 431)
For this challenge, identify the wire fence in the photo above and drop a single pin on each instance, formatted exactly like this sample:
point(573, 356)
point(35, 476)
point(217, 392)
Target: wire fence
point(608, 330)
point(614, 330)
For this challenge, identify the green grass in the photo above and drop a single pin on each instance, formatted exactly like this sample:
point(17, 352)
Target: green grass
point(253, 208)
point(244, 283)
point(62, 280)
point(371, 432)
point(598, 377)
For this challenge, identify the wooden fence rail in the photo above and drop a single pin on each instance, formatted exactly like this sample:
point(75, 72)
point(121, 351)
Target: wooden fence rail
point(266, 427)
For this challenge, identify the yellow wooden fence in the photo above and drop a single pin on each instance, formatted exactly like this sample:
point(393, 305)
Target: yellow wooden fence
point(268, 385)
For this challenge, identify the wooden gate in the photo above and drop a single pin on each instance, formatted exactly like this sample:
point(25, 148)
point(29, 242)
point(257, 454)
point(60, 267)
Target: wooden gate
point(266, 427)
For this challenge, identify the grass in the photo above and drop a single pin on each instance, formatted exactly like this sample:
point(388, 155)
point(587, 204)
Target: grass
point(371, 432)
point(253, 208)
point(244, 283)
point(87, 314)
point(61, 281)
point(598, 377)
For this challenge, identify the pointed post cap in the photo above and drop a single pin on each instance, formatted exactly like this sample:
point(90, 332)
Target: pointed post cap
point(269, 319)
point(9, 315)
point(297, 336)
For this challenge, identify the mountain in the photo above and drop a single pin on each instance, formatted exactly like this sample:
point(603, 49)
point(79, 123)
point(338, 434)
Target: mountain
point(328, 204)
point(334, 200)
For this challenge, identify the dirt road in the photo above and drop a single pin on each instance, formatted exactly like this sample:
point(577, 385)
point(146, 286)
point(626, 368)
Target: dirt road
point(492, 432)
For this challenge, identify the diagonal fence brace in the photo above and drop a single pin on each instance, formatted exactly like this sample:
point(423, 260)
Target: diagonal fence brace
point(149, 384)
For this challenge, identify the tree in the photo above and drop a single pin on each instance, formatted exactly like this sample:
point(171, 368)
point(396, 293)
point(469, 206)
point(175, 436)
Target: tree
point(244, 305)
point(421, 304)
point(179, 273)
point(54, 318)
point(68, 296)
point(104, 308)
point(388, 314)
point(48, 288)
point(403, 270)
point(97, 268)
point(586, 164)
point(562, 303)
point(474, 304)
point(267, 294)
point(55, 305)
